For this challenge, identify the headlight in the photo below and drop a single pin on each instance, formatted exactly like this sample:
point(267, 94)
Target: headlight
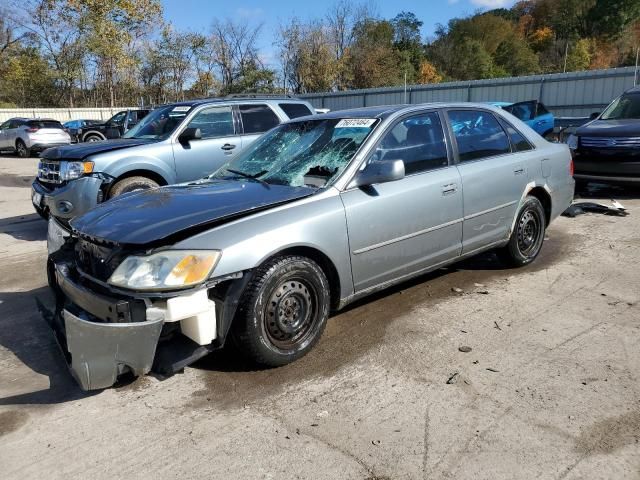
point(73, 170)
point(165, 270)
point(572, 141)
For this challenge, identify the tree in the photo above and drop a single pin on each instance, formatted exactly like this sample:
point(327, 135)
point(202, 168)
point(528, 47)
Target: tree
point(579, 57)
point(517, 58)
point(610, 18)
point(373, 60)
point(428, 73)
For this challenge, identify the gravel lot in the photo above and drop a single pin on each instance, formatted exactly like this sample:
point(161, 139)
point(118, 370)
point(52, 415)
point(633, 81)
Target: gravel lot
point(549, 390)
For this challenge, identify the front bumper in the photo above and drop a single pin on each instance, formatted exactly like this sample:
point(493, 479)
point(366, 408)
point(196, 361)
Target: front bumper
point(67, 201)
point(607, 165)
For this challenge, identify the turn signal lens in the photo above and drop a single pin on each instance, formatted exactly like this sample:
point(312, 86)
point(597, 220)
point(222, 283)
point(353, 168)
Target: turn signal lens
point(88, 167)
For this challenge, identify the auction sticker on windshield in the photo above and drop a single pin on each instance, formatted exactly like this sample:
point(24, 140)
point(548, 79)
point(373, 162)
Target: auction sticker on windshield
point(181, 108)
point(355, 122)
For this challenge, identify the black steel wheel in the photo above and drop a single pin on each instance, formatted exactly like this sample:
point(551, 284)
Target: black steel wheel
point(283, 311)
point(528, 234)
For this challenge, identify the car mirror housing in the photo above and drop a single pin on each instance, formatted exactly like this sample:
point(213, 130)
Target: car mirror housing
point(190, 134)
point(380, 172)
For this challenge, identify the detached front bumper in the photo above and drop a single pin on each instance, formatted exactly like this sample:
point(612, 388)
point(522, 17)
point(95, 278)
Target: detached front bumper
point(67, 201)
point(106, 342)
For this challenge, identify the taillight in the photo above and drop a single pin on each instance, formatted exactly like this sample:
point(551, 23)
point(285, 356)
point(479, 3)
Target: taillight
point(32, 129)
point(571, 167)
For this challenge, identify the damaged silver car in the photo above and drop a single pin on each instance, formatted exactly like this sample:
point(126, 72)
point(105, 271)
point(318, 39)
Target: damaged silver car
point(318, 212)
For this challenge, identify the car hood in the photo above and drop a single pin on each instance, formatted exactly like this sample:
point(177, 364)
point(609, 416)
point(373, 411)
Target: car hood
point(611, 128)
point(166, 214)
point(81, 151)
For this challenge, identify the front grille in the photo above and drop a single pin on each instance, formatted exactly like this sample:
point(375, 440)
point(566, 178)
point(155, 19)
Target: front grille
point(49, 172)
point(610, 142)
point(96, 260)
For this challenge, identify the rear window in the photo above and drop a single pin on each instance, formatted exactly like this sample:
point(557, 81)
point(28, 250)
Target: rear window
point(295, 110)
point(44, 124)
point(257, 118)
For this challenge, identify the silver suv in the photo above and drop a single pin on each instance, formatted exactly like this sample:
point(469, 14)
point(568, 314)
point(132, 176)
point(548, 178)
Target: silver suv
point(317, 213)
point(174, 143)
point(26, 136)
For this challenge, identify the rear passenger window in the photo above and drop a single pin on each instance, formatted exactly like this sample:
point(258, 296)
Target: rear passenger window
point(295, 110)
point(258, 118)
point(478, 134)
point(213, 122)
point(518, 142)
point(418, 141)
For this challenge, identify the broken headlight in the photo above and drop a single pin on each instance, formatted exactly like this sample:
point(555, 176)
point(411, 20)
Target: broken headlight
point(165, 270)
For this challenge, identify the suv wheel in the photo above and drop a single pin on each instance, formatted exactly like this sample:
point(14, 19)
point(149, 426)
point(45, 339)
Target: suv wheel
point(528, 235)
point(131, 184)
point(22, 150)
point(93, 138)
point(283, 311)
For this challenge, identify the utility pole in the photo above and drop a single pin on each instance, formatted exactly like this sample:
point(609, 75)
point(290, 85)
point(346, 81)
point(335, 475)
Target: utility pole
point(635, 73)
point(566, 54)
point(405, 87)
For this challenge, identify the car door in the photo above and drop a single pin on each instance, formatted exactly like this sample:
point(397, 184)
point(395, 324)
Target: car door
point(543, 121)
point(398, 228)
point(3, 134)
point(218, 145)
point(493, 177)
point(255, 119)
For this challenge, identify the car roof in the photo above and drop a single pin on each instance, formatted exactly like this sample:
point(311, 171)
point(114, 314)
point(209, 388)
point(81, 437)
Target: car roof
point(633, 90)
point(385, 111)
point(236, 99)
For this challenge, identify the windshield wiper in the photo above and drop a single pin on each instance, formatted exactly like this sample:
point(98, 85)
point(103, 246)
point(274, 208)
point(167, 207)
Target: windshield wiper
point(249, 176)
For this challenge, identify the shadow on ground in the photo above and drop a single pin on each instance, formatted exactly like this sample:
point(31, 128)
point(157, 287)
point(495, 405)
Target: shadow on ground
point(31, 227)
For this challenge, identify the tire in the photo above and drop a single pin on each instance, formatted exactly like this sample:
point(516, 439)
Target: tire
point(283, 311)
point(22, 150)
point(93, 138)
point(528, 235)
point(131, 184)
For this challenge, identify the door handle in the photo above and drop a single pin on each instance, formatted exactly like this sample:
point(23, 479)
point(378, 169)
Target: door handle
point(228, 146)
point(519, 171)
point(449, 189)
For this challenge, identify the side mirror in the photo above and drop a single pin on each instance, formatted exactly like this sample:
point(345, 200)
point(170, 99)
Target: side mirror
point(189, 134)
point(380, 172)
point(594, 115)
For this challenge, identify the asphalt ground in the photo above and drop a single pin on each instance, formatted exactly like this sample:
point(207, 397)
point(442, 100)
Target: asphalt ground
point(549, 389)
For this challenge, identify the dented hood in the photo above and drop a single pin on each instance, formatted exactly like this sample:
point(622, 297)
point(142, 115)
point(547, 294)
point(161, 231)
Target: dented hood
point(164, 214)
point(81, 151)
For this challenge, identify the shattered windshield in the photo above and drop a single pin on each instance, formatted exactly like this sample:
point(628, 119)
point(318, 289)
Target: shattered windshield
point(160, 123)
point(624, 107)
point(311, 152)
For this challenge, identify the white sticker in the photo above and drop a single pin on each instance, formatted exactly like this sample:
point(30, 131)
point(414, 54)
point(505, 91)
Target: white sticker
point(181, 109)
point(355, 123)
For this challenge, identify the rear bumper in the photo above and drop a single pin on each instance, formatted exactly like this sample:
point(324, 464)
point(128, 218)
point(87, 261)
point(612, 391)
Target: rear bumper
point(39, 147)
point(67, 201)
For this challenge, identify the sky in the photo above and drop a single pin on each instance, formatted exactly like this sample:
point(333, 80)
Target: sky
point(197, 15)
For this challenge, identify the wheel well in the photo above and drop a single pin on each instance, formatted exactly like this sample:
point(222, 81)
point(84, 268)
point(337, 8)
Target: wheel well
point(325, 264)
point(544, 197)
point(159, 179)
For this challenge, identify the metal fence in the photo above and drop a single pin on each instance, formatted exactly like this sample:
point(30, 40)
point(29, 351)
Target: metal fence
point(61, 114)
point(575, 94)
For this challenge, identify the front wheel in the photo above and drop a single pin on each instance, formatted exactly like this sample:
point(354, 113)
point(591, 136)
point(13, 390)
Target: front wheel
point(131, 184)
point(527, 236)
point(22, 150)
point(283, 311)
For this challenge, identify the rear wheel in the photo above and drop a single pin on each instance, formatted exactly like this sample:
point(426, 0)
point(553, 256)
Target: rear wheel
point(527, 236)
point(93, 138)
point(283, 311)
point(131, 184)
point(22, 150)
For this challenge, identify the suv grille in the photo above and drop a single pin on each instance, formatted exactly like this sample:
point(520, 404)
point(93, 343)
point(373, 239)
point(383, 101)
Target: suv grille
point(97, 261)
point(49, 172)
point(610, 142)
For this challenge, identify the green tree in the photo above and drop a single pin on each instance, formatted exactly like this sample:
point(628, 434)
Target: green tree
point(579, 57)
point(373, 58)
point(517, 58)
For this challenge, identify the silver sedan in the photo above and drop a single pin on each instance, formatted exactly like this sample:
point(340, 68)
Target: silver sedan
point(315, 214)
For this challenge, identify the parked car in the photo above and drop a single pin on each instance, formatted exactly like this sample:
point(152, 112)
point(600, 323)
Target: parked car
point(533, 113)
point(607, 149)
point(115, 127)
point(75, 128)
point(317, 213)
point(175, 143)
point(26, 136)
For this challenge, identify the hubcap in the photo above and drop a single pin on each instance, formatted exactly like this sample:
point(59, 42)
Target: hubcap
point(290, 313)
point(92, 139)
point(528, 232)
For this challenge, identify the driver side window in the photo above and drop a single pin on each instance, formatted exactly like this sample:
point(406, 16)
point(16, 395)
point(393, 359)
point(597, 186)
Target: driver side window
point(418, 141)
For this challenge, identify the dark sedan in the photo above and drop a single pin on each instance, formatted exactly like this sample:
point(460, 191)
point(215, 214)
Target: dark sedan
point(607, 149)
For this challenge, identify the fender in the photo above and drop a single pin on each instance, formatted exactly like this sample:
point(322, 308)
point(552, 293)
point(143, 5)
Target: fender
point(528, 187)
point(125, 165)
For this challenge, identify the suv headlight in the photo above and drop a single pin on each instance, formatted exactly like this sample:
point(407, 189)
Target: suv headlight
point(165, 270)
point(73, 170)
point(572, 142)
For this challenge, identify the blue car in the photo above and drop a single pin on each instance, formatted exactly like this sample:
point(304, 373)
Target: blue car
point(531, 112)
